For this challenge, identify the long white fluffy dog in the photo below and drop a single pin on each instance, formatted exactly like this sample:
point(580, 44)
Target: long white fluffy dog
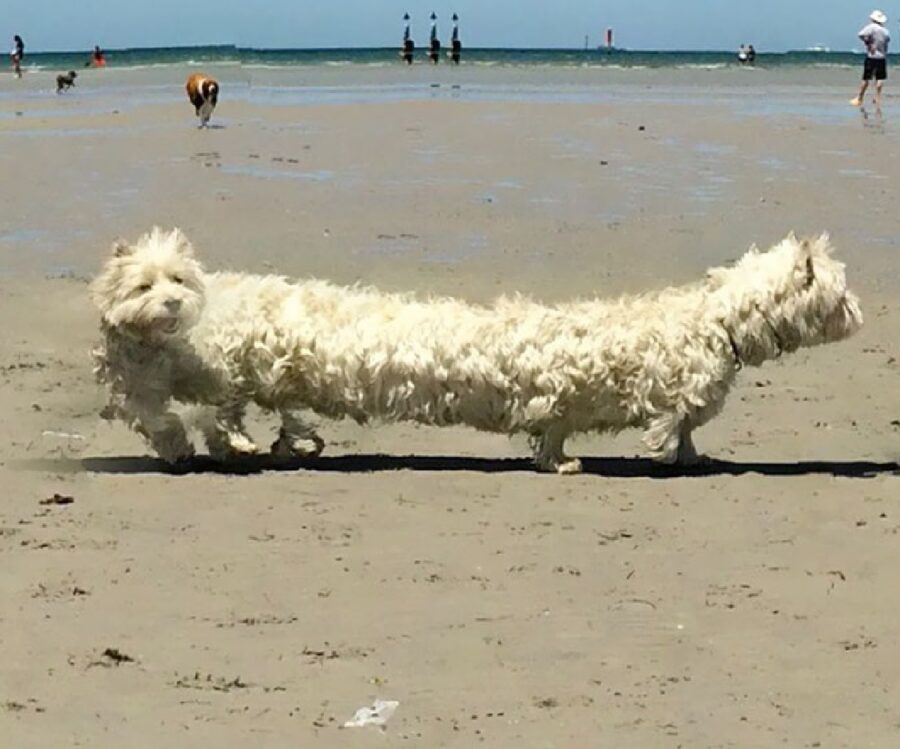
point(663, 361)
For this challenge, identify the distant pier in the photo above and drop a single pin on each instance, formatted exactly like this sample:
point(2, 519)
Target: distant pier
point(408, 47)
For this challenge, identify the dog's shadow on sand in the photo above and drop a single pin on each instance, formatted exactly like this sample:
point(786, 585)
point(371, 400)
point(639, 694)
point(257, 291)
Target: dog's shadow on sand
point(375, 463)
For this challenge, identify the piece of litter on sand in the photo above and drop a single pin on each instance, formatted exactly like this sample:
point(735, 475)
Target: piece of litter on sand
point(376, 714)
point(63, 443)
point(114, 655)
point(62, 435)
point(57, 499)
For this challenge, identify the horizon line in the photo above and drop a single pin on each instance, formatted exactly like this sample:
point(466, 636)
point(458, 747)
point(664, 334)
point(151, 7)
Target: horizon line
point(593, 48)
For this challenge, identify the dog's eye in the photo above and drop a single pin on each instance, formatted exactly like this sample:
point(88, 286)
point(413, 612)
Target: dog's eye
point(177, 279)
point(144, 287)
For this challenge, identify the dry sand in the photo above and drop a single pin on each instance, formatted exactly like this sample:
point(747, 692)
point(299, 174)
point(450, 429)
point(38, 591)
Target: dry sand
point(753, 604)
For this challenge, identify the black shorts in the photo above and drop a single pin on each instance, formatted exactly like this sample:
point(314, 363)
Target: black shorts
point(875, 68)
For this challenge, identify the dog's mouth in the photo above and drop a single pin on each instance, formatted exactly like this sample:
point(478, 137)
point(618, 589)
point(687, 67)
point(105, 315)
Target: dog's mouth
point(167, 326)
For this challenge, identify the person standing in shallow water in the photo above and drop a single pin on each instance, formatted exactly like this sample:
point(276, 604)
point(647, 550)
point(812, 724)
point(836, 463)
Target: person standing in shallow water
point(876, 38)
point(17, 55)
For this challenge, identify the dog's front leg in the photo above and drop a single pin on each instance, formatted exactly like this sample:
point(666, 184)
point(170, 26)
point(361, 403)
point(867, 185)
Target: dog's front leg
point(549, 455)
point(226, 437)
point(296, 438)
point(164, 430)
point(204, 112)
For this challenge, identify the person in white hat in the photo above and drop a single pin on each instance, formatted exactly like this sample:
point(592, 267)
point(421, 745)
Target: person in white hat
point(876, 38)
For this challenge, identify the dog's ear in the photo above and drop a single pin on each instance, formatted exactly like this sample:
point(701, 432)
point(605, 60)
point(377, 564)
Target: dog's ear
point(805, 262)
point(182, 243)
point(822, 244)
point(121, 248)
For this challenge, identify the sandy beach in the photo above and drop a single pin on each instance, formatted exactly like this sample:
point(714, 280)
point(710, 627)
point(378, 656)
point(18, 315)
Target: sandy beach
point(751, 603)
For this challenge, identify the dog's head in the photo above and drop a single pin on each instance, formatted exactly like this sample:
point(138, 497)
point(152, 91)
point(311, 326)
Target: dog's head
point(794, 294)
point(153, 288)
point(72, 75)
point(831, 310)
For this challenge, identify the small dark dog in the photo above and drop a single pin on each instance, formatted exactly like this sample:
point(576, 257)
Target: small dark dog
point(65, 80)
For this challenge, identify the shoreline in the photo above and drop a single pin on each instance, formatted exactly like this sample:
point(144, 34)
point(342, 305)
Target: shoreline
point(724, 74)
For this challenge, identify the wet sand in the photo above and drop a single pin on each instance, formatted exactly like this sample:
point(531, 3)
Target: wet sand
point(749, 604)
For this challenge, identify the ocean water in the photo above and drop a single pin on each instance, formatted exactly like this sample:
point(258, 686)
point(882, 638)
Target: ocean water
point(807, 83)
point(564, 58)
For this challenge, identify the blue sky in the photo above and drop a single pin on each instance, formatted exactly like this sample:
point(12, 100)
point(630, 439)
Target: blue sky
point(639, 24)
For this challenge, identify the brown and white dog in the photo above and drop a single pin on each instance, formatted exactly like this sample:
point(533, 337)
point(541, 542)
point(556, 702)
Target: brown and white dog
point(203, 92)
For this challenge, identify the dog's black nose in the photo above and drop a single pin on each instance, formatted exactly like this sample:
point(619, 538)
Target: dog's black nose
point(173, 305)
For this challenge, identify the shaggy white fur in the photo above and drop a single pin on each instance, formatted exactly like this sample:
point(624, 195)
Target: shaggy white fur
point(662, 361)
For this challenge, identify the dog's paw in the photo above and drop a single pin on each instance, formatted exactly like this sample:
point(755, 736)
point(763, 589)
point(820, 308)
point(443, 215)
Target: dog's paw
point(241, 444)
point(237, 446)
point(569, 467)
point(297, 447)
point(175, 453)
point(684, 455)
point(694, 460)
point(231, 446)
point(564, 466)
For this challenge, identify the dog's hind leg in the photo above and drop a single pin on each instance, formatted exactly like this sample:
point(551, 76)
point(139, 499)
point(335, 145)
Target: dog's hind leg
point(296, 438)
point(663, 438)
point(670, 442)
point(548, 452)
point(225, 434)
point(687, 453)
